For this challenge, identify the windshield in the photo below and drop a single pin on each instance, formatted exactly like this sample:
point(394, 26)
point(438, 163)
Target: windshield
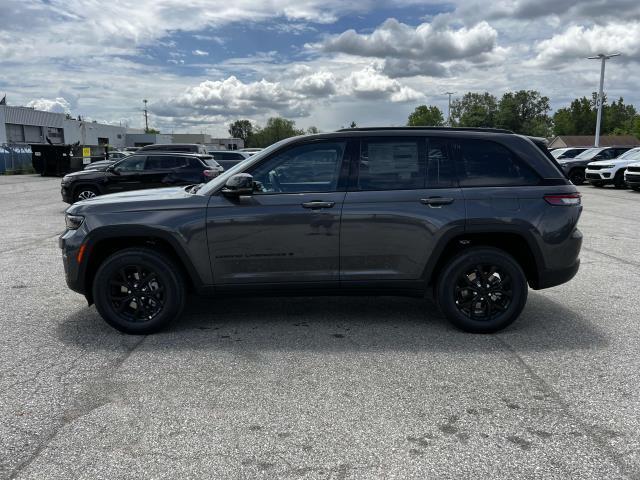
point(220, 180)
point(590, 153)
point(633, 154)
point(210, 162)
point(558, 151)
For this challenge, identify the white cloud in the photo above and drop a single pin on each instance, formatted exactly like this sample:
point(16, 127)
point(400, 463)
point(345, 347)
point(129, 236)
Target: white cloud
point(578, 42)
point(421, 50)
point(58, 105)
point(370, 84)
point(200, 53)
point(319, 84)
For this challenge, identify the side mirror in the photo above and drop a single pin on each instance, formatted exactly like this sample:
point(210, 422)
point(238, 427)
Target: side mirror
point(112, 169)
point(237, 185)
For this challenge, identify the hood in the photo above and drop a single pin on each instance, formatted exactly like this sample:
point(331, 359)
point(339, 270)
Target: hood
point(88, 174)
point(615, 161)
point(149, 199)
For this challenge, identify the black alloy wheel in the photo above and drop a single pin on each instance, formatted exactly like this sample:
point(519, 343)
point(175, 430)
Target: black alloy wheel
point(576, 176)
point(483, 292)
point(136, 293)
point(482, 289)
point(139, 290)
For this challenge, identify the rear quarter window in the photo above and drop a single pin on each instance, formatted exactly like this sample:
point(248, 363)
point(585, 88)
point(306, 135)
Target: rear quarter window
point(483, 163)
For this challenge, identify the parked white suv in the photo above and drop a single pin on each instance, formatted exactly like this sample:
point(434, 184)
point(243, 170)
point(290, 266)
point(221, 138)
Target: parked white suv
point(611, 171)
point(632, 176)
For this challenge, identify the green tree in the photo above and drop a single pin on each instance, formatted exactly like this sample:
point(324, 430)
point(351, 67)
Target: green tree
point(524, 112)
point(241, 129)
point(312, 130)
point(152, 130)
point(426, 115)
point(579, 118)
point(618, 118)
point(276, 129)
point(474, 110)
point(353, 124)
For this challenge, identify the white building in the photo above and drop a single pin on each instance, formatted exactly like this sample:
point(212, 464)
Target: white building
point(25, 125)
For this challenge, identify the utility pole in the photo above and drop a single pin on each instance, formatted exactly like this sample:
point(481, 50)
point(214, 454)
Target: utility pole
point(449, 112)
point(146, 117)
point(603, 58)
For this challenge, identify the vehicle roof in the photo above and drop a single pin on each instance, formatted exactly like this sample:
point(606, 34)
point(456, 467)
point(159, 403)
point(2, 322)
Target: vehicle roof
point(174, 145)
point(173, 154)
point(440, 129)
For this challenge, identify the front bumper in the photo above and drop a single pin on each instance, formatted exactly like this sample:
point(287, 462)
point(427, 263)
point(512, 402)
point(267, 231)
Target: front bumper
point(632, 179)
point(67, 194)
point(70, 242)
point(602, 176)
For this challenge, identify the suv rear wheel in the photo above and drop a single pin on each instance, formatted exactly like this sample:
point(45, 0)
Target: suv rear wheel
point(482, 290)
point(138, 291)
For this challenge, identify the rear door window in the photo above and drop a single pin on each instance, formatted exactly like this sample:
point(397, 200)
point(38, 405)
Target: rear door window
point(441, 171)
point(483, 163)
point(391, 164)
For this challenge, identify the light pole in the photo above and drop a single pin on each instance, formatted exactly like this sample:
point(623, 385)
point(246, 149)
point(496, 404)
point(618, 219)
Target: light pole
point(603, 58)
point(146, 119)
point(449, 112)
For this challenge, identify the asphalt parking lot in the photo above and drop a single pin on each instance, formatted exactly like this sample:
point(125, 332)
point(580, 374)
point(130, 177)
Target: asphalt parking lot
point(326, 388)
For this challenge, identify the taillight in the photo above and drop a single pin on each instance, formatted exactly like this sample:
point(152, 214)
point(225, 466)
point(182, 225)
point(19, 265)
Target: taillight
point(563, 199)
point(211, 173)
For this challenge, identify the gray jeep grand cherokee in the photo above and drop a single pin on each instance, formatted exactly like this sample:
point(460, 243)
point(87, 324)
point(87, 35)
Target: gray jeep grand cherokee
point(475, 216)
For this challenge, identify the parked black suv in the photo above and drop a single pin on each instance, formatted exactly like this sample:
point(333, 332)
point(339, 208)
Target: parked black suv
point(175, 148)
point(139, 171)
point(472, 215)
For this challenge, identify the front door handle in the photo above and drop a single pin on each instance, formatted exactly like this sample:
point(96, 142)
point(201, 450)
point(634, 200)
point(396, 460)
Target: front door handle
point(315, 204)
point(436, 202)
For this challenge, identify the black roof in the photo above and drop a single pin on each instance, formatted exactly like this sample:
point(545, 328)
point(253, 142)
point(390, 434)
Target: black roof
point(446, 129)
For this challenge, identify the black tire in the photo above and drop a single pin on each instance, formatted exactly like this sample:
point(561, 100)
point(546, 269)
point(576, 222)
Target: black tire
point(635, 189)
point(149, 281)
point(597, 184)
point(500, 304)
point(577, 176)
point(84, 192)
point(618, 180)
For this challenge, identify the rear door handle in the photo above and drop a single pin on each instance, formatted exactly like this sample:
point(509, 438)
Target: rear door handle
point(315, 204)
point(436, 202)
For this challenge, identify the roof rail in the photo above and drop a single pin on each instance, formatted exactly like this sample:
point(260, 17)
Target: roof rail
point(445, 129)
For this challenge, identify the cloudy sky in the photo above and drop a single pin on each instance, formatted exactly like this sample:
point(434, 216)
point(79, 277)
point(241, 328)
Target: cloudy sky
point(204, 63)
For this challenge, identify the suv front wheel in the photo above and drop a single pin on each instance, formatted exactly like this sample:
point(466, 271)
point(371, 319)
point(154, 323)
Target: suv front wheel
point(138, 291)
point(482, 290)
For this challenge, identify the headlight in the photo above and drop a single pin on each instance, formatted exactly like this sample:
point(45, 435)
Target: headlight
point(73, 222)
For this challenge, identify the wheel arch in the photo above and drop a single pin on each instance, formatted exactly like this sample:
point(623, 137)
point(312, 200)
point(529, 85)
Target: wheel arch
point(105, 241)
point(520, 246)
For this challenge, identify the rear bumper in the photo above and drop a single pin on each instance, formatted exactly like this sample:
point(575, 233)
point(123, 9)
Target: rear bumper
point(552, 278)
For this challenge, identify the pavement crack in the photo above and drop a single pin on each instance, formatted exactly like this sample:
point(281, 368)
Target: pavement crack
point(591, 431)
point(624, 261)
point(82, 409)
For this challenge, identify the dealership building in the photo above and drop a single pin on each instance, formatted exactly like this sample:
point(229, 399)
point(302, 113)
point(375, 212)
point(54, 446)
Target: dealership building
point(20, 125)
point(28, 126)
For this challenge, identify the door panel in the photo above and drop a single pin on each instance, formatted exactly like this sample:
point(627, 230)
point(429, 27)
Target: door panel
point(405, 199)
point(389, 235)
point(289, 229)
point(274, 238)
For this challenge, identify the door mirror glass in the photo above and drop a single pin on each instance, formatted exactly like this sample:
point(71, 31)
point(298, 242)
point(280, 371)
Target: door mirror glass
point(238, 184)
